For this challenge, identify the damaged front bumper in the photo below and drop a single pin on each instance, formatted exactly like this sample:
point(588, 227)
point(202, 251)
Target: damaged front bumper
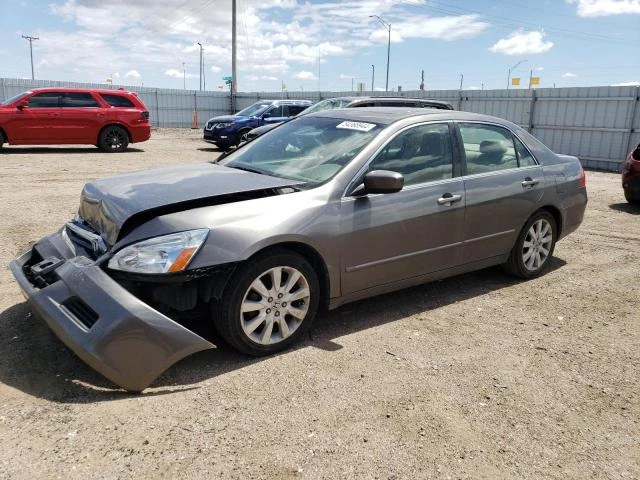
point(114, 332)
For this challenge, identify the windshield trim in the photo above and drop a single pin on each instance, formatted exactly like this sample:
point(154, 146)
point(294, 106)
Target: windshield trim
point(15, 98)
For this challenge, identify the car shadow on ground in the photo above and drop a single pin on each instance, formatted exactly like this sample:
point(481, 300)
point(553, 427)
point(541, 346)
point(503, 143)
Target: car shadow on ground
point(72, 150)
point(212, 149)
point(626, 208)
point(35, 361)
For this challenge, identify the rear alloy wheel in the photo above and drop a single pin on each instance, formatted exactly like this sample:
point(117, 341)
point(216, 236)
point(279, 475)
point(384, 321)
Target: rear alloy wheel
point(536, 242)
point(113, 139)
point(272, 302)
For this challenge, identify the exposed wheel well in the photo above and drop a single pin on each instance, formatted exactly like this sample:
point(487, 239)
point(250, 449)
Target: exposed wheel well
point(114, 125)
point(310, 255)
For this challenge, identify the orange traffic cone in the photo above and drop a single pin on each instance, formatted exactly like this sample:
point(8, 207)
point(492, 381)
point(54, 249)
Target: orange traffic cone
point(195, 119)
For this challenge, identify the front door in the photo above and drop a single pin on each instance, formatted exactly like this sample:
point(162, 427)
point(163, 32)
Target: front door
point(35, 124)
point(418, 230)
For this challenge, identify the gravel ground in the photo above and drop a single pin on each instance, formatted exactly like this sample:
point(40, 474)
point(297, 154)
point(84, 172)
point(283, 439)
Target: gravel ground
point(478, 376)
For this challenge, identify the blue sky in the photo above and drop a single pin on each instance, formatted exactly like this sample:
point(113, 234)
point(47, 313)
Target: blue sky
point(307, 45)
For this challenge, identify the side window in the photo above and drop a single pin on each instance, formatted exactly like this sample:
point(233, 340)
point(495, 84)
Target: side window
point(295, 109)
point(45, 100)
point(276, 112)
point(78, 100)
point(117, 100)
point(487, 148)
point(421, 154)
point(525, 159)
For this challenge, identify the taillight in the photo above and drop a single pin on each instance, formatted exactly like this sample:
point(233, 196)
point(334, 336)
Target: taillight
point(145, 115)
point(582, 179)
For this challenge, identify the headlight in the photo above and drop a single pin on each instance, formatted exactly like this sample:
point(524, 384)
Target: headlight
point(224, 125)
point(165, 254)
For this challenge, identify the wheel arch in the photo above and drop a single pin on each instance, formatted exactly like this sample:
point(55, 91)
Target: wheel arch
point(312, 256)
point(557, 216)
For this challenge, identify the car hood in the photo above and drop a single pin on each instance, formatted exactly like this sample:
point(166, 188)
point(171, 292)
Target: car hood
point(114, 206)
point(226, 118)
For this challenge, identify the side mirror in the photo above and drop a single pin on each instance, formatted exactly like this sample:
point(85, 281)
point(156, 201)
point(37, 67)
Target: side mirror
point(22, 105)
point(380, 181)
point(266, 115)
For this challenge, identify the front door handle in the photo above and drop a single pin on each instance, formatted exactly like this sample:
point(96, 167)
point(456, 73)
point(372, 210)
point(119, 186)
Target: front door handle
point(448, 199)
point(529, 182)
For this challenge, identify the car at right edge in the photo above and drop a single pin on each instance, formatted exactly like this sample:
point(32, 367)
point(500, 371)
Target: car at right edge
point(631, 177)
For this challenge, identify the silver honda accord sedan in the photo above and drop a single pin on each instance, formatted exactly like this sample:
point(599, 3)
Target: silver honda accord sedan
point(329, 208)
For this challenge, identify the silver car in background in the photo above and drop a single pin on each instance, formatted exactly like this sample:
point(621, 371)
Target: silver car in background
point(329, 208)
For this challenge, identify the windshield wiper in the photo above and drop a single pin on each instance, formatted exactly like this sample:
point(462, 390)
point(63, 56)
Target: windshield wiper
point(247, 169)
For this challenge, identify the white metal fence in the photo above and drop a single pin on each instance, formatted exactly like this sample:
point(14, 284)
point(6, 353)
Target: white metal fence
point(600, 125)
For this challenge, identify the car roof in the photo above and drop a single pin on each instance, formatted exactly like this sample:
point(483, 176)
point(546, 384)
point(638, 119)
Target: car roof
point(389, 115)
point(399, 99)
point(285, 101)
point(116, 91)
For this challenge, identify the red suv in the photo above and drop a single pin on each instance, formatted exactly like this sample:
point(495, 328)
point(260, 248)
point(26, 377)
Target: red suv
point(631, 176)
point(109, 119)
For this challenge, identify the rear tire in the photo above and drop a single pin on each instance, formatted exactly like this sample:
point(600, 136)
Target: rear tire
point(113, 139)
point(3, 140)
point(270, 302)
point(530, 256)
point(633, 199)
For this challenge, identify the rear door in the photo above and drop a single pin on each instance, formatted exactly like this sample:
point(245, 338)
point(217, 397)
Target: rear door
point(503, 185)
point(81, 117)
point(415, 231)
point(275, 114)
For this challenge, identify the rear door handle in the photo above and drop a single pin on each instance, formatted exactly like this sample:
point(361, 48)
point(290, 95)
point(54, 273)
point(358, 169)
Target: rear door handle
point(529, 182)
point(448, 199)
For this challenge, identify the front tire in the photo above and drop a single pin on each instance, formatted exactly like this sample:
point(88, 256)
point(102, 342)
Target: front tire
point(269, 304)
point(631, 198)
point(113, 139)
point(534, 247)
point(3, 140)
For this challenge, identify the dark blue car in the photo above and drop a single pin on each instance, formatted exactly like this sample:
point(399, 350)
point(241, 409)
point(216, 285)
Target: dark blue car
point(228, 130)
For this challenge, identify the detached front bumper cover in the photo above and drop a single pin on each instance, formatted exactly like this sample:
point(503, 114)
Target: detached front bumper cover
point(113, 331)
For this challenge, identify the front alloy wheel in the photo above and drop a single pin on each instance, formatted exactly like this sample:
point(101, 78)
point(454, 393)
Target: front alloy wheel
point(269, 303)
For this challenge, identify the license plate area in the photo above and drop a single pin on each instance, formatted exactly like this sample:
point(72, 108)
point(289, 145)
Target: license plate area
point(41, 272)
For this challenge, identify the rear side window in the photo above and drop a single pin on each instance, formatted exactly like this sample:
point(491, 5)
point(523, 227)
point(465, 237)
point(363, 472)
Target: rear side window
point(78, 100)
point(488, 148)
point(45, 100)
point(117, 100)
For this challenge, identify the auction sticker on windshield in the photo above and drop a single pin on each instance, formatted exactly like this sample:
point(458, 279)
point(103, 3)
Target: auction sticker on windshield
point(361, 126)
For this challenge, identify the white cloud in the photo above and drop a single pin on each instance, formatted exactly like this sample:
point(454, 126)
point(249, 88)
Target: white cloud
point(345, 76)
point(215, 69)
point(473, 87)
point(132, 74)
point(539, 69)
point(305, 75)
point(522, 42)
point(603, 8)
point(569, 75)
point(627, 84)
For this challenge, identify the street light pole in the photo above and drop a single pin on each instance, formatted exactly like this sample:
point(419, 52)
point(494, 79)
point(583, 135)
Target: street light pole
point(373, 75)
point(200, 65)
point(184, 77)
point(31, 39)
point(511, 70)
point(388, 26)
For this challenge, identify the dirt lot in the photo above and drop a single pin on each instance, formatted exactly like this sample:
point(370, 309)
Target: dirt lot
point(478, 376)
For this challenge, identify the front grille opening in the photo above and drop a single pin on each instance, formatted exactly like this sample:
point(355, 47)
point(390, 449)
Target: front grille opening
point(81, 311)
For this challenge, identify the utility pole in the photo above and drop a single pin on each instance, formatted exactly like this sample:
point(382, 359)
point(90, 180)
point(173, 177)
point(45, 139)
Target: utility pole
point(511, 70)
point(373, 75)
point(184, 77)
point(31, 39)
point(388, 26)
point(234, 78)
point(461, 79)
point(200, 65)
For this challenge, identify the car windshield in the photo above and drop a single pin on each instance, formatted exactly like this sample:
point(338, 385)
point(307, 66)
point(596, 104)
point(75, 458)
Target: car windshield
point(253, 109)
point(14, 98)
point(328, 104)
point(309, 149)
